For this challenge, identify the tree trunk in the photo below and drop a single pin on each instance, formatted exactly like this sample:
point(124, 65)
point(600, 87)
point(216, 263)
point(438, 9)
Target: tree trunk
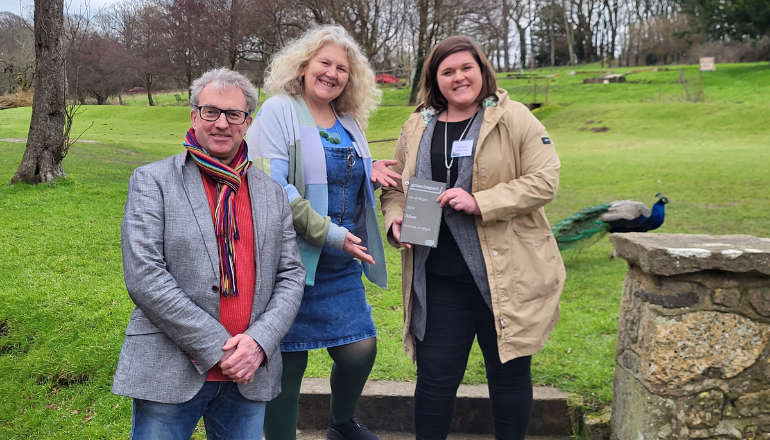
point(570, 37)
point(506, 37)
point(422, 49)
point(612, 14)
point(522, 46)
point(148, 86)
point(551, 37)
point(45, 150)
point(416, 79)
point(232, 55)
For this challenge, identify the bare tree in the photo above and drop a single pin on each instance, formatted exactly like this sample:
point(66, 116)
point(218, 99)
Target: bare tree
point(280, 21)
point(237, 24)
point(611, 10)
point(584, 20)
point(427, 28)
point(45, 150)
point(491, 28)
point(522, 14)
point(373, 23)
point(75, 34)
point(569, 33)
point(550, 38)
point(274, 24)
point(149, 47)
point(505, 28)
point(436, 19)
point(192, 46)
point(17, 52)
point(99, 67)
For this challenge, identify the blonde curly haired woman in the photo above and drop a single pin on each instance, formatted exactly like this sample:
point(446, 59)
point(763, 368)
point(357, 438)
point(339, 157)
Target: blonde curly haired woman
point(309, 137)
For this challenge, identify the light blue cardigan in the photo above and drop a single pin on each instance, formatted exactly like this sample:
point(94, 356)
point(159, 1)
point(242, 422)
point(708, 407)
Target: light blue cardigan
point(284, 142)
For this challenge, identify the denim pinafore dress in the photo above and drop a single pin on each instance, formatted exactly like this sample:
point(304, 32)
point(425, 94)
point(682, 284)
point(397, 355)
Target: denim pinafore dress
point(334, 310)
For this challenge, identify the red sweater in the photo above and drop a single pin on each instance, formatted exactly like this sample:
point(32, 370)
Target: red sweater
point(235, 311)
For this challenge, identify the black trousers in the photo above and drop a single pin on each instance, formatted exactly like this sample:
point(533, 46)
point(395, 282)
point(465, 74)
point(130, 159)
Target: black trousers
point(456, 313)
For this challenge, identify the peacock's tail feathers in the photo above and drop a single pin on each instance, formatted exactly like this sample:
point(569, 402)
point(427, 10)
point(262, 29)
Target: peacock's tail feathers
point(587, 215)
point(587, 239)
point(581, 226)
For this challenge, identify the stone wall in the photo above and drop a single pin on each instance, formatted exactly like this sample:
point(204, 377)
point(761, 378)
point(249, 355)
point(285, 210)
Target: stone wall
point(693, 353)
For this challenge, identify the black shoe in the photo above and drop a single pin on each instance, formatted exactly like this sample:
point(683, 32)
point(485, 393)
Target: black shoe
point(350, 430)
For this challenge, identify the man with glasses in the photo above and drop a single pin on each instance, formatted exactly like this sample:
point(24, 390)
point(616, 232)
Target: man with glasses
point(210, 259)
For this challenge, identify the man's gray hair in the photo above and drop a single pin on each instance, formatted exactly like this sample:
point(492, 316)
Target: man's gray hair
point(222, 78)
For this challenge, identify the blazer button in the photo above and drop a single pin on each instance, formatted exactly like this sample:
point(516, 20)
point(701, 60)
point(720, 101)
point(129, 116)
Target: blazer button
point(215, 288)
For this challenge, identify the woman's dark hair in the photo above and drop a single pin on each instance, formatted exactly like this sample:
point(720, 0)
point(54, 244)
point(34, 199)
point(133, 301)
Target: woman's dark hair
point(429, 91)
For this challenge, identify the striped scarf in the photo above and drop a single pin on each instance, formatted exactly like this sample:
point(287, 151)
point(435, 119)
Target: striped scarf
point(228, 181)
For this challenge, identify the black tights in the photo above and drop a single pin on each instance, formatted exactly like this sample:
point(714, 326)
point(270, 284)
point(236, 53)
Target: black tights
point(456, 313)
point(352, 364)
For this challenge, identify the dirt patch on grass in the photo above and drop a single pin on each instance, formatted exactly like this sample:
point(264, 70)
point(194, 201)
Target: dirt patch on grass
point(601, 129)
point(62, 379)
point(598, 129)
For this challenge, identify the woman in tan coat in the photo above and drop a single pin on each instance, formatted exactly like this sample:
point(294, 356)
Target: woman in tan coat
point(496, 274)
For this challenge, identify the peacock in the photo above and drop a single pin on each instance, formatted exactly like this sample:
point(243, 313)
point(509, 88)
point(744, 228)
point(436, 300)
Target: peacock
point(588, 225)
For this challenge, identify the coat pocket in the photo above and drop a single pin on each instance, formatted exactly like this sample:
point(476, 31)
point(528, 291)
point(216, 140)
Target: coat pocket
point(140, 325)
point(540, 274)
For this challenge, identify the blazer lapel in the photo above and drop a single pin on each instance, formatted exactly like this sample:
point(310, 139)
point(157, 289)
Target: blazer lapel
point(258, 211)
point(196, 194)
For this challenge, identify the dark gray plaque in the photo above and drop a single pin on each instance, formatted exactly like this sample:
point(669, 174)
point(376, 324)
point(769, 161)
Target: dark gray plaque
point(422, 214)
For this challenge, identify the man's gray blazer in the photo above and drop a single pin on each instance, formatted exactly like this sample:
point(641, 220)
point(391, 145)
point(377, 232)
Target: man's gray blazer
point(171, 270)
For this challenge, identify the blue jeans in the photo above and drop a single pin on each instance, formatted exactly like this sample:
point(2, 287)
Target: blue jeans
point(226, 413)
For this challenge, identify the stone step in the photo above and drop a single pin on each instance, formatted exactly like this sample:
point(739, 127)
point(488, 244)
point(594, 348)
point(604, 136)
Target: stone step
point(387, 406)
point(386, 435)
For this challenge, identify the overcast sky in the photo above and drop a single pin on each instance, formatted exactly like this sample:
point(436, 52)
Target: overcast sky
point(25, 7)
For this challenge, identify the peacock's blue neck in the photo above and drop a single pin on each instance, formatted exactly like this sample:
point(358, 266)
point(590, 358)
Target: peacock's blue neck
point(656, 217)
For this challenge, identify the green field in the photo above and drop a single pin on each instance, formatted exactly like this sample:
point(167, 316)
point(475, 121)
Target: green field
point(63, 306)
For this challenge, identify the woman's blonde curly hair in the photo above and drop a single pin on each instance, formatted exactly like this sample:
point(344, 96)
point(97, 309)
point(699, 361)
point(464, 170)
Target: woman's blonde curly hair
point(284, 74)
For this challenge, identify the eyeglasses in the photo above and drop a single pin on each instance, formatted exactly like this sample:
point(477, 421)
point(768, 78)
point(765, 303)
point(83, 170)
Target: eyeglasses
point(211, 114)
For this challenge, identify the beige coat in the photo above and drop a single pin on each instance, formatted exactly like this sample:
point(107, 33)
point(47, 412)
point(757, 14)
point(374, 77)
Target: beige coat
point(515, 173)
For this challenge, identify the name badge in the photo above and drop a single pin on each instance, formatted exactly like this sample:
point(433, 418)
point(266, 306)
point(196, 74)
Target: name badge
point(462, 148)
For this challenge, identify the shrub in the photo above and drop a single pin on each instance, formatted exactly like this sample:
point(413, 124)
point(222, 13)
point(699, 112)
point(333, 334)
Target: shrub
point(18, 99)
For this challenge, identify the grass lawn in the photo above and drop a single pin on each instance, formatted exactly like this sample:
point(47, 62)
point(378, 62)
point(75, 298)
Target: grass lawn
point(63, 306)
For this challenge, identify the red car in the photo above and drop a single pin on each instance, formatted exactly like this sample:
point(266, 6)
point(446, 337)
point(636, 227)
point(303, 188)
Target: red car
point(386, 78)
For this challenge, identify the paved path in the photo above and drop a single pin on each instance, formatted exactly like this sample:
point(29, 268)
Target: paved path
point(24, 141)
